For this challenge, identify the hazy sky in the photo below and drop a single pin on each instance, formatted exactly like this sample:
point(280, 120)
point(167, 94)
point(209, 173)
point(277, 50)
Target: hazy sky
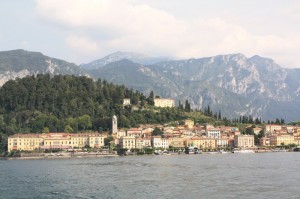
point(81, 31)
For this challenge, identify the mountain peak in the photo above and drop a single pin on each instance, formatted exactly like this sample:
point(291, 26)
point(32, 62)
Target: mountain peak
point(120, 55)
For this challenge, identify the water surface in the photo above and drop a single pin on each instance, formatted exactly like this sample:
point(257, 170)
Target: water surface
point(266, 175)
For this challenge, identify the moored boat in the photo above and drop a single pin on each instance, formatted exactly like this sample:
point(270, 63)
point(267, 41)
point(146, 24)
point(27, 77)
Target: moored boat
point(243, 151)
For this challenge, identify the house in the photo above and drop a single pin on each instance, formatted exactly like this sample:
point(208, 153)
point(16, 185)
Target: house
point(126, 101)
point(134, 132)
point(160, 102)
point(189, 123)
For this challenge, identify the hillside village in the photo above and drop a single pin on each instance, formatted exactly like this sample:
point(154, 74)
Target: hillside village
point(205, 137)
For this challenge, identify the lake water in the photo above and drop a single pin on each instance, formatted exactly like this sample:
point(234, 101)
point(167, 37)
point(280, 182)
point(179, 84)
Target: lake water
point(265, 175)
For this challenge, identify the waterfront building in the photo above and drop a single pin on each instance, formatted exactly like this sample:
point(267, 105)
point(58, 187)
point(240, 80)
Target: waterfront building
point(297, 140)
point(244, 141)
point(278, 140)
point(30, 142)
point(176, 142)
point(139, 143)
point(156, 141)
point(161, 102)
point(24, 142)
point(201, 142)
point(264, 141)
point(127, 142)
point(222, 142)
point(164, 143)
point(147, 142)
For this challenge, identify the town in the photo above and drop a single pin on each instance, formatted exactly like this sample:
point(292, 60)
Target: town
point(183, 136)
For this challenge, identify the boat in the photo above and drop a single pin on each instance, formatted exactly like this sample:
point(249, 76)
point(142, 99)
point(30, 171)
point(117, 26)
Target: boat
point(279, 150)
point(297, 149)
point(224, 152)
point(243, 151)
point(212, 152)
point(192, 150)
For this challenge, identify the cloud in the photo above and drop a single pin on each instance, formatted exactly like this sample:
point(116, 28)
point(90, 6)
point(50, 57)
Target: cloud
point(97, 27)
point(81, 43)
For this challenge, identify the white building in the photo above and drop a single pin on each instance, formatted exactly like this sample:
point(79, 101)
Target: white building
point(164, 143)
point(244, 141)
point(126, 101)
point(156, 141)
point(160, 102)
point(213, 133)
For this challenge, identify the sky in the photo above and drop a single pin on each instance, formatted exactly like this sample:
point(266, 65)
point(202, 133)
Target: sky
point(81, 31)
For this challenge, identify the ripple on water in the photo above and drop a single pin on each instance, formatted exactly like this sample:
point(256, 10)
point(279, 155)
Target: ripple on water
point(272, 175)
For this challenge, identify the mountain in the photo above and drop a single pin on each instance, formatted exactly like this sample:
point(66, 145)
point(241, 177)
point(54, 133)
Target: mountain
point(119, 55)
point(20, 63)
point(234, 84)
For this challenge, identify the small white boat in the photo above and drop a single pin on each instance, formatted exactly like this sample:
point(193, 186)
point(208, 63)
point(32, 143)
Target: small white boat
point(224, 152)
point(243, 151)
point(212, 152)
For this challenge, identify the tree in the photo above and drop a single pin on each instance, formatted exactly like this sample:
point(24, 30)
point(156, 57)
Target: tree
point(45, 130)
point(84, 122)
point(157, 132)
point(68, 129)
point(219, 115)
point(150, 99)
point(187, 106)
point(108, 140)
point(180, 106)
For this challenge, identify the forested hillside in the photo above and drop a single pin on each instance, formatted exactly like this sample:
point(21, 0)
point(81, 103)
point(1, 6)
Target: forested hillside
point(71, 104)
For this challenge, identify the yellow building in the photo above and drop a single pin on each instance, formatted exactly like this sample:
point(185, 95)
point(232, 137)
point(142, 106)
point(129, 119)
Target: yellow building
point(176, 142)
point(25, 142)
point(127, 142)
point(160, 102)
point(202, 142)
point(297, 131)
point(189, 123)
point(277, 140)
point(29, 142)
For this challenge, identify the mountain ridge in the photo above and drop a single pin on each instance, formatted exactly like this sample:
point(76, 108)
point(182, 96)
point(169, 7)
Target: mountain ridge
point(233, 83)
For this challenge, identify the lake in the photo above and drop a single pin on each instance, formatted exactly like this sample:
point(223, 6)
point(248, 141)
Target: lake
point(259, 175)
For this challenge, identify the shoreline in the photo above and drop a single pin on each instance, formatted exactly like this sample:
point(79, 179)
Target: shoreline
point(94, 155)
point(58, 156)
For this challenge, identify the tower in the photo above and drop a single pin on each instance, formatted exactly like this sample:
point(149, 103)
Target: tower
point(114, 124)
